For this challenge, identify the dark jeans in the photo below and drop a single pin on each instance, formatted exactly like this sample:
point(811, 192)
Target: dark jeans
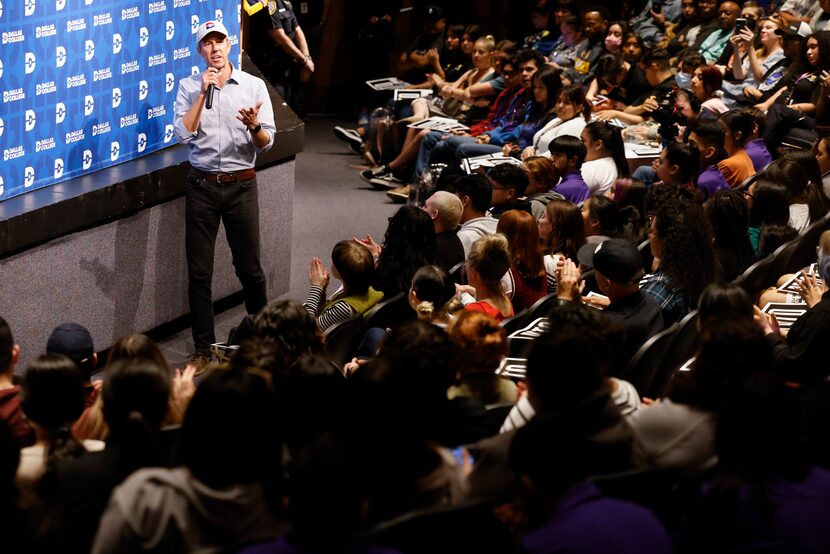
point(237, 206)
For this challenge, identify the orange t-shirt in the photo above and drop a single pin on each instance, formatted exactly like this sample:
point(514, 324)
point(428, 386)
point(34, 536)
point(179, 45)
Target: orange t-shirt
point(737, 168)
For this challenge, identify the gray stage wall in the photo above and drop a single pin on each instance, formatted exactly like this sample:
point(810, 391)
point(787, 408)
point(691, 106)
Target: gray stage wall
point(107, 249)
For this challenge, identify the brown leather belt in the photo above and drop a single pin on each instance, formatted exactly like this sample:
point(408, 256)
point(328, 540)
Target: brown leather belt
point(242, 175)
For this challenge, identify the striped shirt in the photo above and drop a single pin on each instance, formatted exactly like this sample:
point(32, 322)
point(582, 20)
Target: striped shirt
point(337, 312)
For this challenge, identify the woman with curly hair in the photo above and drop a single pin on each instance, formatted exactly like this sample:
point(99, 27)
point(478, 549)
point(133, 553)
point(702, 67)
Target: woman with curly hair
point(562, 234)
point(527, 263)
point(681, 242)
point(408, 245)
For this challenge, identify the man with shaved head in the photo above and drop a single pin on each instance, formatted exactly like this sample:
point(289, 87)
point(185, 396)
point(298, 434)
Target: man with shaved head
point(444, 208)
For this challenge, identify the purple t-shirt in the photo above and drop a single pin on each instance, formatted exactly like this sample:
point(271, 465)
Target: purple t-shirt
point(758, 153)
point(711, 181)
point(588, 522)
point(573, 187)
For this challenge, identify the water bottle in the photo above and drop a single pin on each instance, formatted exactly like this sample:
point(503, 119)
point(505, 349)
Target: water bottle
point(419, 190)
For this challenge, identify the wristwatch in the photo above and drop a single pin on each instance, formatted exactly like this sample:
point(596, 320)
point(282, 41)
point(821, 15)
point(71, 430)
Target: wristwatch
point(256, 129)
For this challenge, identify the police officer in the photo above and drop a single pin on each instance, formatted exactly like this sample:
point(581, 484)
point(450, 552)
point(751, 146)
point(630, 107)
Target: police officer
point(280, 50)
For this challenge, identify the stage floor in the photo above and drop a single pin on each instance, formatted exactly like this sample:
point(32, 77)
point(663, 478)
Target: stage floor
point(331, 203)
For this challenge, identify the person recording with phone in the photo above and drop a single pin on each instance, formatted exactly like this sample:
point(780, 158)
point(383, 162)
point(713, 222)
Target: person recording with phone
point(225, 117)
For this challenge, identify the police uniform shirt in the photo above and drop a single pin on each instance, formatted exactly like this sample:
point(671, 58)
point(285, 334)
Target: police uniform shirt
point(278, 14)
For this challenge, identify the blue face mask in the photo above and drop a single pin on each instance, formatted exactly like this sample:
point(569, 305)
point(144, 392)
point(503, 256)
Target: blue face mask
point(684, 80)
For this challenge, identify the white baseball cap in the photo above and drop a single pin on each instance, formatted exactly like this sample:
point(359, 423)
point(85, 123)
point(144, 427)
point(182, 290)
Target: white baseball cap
point(210, 27)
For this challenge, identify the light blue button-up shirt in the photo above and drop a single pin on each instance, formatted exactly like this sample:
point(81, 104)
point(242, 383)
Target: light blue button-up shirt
point(221, 142)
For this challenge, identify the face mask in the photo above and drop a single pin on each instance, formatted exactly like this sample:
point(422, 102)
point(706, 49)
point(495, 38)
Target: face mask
point(612, 42)
point(684, 80)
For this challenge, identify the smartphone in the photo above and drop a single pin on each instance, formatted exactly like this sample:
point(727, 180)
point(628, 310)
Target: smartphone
point(740, 24)
point(656, 7)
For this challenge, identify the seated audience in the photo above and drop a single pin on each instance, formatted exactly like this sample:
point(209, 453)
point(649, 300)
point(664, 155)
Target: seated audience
point(135, 402)
point(800, 355)
point(581, 337)
point(431, 295)
point(729, 216)
point(618, 268)
point(573, 111)
point(807, 203)
point(562, 233)
point(605, 159)
point(541, 175)
point(52, 397)
point(755, 147)
point(603, 220)
point(354, 267)
point(706, 85)
point(678, 432)
point(509, 185)
point(765, 493)
point(566, 510)
point(768, 205)
point(681, 243)
point(487, 262)
point(444, 209)
point(750, 66)
point(226, 493)
point(408, 244)
point(481, 345)
point(708, 137)
point(10, 410)
point(568, 153)
point(527, 262)
point(738, 127)
point(476, 195)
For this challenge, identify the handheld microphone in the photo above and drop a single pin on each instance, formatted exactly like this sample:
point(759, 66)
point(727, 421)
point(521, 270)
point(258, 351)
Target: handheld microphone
point(209, 97)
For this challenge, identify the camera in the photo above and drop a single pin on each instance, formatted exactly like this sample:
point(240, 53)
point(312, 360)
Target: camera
point(657, 6)
point(668, 116)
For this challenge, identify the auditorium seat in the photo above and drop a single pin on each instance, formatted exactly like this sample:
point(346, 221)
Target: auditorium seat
point(646, 363)
point(389, 313)
point(342, 339)
point(683, 346)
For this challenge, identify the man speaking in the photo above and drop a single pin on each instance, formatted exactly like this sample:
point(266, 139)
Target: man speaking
point(225, 117)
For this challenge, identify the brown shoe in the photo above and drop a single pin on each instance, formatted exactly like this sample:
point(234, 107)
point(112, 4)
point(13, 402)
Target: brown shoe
point(199, 362)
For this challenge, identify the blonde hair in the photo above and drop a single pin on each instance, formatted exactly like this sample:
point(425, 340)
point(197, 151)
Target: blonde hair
point(449, 208)
point(490, 257)
point(489, 42)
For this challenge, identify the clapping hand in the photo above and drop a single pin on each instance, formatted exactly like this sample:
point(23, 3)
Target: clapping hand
point(318, 275)
point(810, 289)
point(369, 244)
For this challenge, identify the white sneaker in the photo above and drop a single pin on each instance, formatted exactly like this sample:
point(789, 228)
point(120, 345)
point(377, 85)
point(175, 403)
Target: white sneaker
point(350, 137)
point(369, 174)
point(386, 181)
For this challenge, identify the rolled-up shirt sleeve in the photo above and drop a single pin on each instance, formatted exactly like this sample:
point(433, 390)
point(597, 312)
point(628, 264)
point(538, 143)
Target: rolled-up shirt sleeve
point(184, 101)
point(266, 116)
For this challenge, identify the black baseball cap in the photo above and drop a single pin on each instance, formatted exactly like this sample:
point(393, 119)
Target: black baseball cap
point(433, 14)
point(72, 340)
point(617, 259)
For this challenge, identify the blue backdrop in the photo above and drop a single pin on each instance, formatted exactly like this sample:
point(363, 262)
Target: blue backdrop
point(88, 84)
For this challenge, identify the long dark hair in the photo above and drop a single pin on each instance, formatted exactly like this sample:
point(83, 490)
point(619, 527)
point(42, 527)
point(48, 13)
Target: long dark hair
point(576, 96)
point(52, 396)
point(687, 258)
point(568, 228)
point(790, 172)
point(409, 244)
point(552, 81)
point(770, 204)
point(612, 141)
point(728, 213)
point(136, 393)
point(605, 211)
